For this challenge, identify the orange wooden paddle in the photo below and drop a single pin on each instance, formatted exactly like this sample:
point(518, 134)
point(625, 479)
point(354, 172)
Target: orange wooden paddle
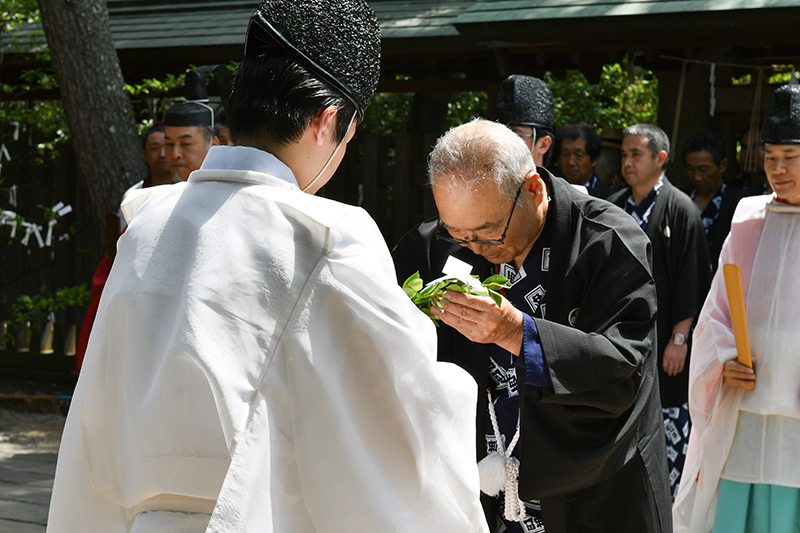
point(733, 285)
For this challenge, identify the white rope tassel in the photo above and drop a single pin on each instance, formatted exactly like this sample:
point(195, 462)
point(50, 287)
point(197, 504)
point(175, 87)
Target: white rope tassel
point(514, 508)
point(499, 471)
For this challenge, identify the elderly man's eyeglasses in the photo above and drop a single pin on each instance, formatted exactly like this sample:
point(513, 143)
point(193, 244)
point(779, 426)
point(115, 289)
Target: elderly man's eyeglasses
point(442, 235)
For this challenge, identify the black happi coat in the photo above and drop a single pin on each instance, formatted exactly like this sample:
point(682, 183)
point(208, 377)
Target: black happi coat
point(592, 445)
point(722, 226)
point(682, 272)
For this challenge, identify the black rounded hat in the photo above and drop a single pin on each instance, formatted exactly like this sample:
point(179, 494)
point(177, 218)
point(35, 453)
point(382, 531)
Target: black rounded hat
point(782, 119)
point(337, 40)
point(524, 101)
point(189, 114)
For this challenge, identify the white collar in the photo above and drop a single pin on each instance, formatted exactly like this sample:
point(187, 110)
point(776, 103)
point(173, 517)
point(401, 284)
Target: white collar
point(780, 207)
point(246, 159)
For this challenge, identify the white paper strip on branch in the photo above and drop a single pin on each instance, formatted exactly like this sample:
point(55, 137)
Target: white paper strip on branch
point(64, 237)
point(56, 207)
point(32, 229)
point(64, 210)
point(38, 235)
point(50, 225)
point(712, 80)
point(28, 232)
point(4, 152)
point(12, 196)
point(16, 130)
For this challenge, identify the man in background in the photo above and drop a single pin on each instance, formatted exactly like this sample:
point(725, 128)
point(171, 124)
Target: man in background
point(752, 179)
point(705, 161)
point(155, 153)
point(189, 133)
point(580, 148)
point(681, 270)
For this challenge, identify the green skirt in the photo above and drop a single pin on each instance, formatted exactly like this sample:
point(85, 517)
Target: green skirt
point(756, 508)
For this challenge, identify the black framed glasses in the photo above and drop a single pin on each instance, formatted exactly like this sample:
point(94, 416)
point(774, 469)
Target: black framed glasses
point(442, 235)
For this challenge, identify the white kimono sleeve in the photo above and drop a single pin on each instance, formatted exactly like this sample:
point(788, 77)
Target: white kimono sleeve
point(713, 405)
point(380, 434)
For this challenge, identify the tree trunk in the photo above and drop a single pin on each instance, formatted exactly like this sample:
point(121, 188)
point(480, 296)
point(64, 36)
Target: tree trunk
point(96, 104)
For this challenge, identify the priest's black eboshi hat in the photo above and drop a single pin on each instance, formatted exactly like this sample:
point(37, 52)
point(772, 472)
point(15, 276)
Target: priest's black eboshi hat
point(189, 114)
point(782, 119)
point(525, 101)
point(337, 40)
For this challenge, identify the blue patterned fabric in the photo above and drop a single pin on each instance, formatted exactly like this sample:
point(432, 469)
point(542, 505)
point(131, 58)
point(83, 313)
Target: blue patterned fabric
point(641, 212)
point(528, 287)
point(711, 213)
point(676, 427)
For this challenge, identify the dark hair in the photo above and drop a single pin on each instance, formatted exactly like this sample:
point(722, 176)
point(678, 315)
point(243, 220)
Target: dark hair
point(274, 99)
point(708, 141)
point(549, 155)
point(573, 132)
point(155, 128)
point(657, 140)
point(209, 132)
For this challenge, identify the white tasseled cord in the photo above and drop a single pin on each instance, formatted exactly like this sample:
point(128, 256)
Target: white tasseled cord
point(499, 471)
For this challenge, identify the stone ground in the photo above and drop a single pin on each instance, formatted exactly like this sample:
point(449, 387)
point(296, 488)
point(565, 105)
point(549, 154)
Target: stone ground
point(30, 432)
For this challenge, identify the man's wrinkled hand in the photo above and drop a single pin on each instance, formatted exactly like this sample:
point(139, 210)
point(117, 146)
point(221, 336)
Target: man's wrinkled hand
point(479, 319)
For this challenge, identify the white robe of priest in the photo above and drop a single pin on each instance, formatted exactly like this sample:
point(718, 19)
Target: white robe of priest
point(253, 360)
point(739, 435)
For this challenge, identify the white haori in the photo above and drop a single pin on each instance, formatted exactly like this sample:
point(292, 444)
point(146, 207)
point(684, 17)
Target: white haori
point(252, 348)
point(750, 436)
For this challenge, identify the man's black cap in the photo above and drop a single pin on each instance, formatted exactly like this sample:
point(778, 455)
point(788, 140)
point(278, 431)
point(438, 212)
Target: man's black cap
point(782, 119)
point(189, 114)
point(525, 101)
point(337, 40)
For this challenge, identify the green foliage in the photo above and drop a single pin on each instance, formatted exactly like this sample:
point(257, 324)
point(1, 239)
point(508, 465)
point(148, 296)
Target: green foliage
point(781, 78)
point(388, 114)
point(42, 119)
point(425, 297)
point(747, 79)
point(619, 99)
point(781, 74)
point(153, 85)
point(37, 308)
point(465, 106)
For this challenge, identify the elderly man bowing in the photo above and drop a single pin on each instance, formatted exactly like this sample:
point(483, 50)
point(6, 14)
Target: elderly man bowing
point(568, 357)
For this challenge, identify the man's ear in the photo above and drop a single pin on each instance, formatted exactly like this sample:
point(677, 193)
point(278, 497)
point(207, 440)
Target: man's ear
point(544, 144)
point(662, 158)
point(214, 141)
point(723, 164)
point(321, 124)
point(534, 181)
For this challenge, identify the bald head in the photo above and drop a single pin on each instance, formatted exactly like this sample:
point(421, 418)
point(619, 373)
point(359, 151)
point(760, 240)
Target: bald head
point(477, 154)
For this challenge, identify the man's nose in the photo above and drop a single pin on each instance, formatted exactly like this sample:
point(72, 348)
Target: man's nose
point(475, 248)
